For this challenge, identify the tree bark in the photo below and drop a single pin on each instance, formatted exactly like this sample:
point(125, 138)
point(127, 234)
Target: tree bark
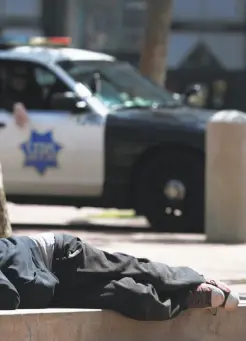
point(154, 53)
point(5, 226)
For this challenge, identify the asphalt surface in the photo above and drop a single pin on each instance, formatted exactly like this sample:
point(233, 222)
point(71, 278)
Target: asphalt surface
point(218, 261)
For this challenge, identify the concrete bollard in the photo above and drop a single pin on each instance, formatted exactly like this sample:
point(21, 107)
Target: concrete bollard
point(5, 226)
point(225, 218)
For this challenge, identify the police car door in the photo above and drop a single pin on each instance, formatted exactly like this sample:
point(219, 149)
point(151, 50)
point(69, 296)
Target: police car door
point(56, 153)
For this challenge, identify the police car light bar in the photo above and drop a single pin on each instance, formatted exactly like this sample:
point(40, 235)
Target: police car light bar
point(11, 41)
point(50, 41)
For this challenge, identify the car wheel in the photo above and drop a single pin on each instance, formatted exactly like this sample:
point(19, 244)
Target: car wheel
point(170, 191)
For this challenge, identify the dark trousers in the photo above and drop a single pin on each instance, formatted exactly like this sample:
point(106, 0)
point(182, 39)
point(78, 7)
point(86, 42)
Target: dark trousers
point(137, 288)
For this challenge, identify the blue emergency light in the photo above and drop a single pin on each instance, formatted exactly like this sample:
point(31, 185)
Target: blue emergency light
point(9, 42)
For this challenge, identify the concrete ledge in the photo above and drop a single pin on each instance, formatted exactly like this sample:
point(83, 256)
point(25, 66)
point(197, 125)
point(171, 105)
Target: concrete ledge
point(97, 325)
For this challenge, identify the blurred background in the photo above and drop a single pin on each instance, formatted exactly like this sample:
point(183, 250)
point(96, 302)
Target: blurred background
point(207, 41)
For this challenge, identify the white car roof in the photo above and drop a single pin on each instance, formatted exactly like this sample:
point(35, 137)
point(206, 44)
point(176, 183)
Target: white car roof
point(53, 55)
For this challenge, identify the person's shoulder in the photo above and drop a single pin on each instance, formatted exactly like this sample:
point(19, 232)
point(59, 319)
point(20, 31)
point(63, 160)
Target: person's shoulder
point(21, 241)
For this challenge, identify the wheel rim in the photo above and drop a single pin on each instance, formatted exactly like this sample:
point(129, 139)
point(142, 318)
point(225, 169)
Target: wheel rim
point(174, 192)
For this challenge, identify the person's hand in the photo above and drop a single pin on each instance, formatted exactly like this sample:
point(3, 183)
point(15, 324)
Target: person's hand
point(20, 114)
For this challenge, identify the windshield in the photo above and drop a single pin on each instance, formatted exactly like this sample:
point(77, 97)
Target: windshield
point(121, 85)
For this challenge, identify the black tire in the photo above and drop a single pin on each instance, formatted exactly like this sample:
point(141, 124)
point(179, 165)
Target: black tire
point(185, 167)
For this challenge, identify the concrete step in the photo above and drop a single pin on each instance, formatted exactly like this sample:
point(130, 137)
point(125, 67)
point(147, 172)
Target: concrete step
point(97, 325)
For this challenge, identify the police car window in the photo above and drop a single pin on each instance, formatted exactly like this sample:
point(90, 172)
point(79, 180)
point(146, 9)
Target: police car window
point(30, 84)
point(121, 85)
point(19, 85)
point(50, 84)
point(108, 94)
point(44, 77)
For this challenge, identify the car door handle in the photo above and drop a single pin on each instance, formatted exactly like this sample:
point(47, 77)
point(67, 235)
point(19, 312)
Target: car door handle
point(2, 124)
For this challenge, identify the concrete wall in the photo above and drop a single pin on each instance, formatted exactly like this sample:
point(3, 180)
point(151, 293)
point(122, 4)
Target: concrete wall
point(96, 325)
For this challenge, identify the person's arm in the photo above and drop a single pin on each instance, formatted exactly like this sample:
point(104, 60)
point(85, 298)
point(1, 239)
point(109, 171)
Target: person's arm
point(20, 114)
point(9, 296)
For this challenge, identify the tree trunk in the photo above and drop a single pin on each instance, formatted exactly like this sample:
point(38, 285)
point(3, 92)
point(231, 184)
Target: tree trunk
point(154, 53)
point(5, 226)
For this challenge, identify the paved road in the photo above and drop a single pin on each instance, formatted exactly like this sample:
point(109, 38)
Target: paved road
point(225, 262)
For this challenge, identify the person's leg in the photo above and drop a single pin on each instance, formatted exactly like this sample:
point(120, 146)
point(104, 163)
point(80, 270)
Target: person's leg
point(83, 269)
point(142, 301)
point(92, 264)
point(134, 300)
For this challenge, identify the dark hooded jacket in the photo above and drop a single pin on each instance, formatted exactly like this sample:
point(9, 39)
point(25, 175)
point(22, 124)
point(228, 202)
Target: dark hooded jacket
point(25, 282)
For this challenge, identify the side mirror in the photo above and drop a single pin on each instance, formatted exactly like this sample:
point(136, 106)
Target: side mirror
point(193, 89)
point(67, 101)
point(192, 94)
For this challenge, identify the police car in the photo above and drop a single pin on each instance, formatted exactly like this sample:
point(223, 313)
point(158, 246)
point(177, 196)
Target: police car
point(102, 135)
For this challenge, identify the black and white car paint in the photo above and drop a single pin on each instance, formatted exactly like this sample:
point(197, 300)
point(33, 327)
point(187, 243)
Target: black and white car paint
point(147, 156)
